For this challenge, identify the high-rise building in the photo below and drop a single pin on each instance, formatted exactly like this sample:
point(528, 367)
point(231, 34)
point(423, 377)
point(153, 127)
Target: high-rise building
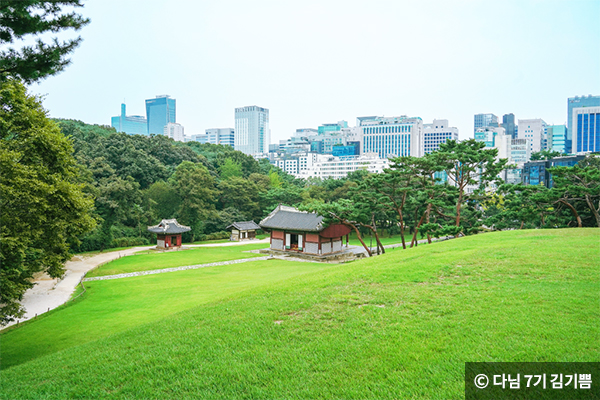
point(391, 136)
point(577, 102)
point(252, 134)
point(508, 123)
point(483, 120)
point(535, 131)
point(586, 130)
point(557, 138)
point(174, 131)
point(224, 136)
point(159, 112)
point(435, 134)
point(130, 124)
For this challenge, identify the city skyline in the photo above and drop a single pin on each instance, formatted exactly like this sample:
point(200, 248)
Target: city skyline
point(330, 61)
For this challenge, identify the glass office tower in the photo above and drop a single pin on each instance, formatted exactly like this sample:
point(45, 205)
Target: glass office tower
point(159, 112)
point(252, 134)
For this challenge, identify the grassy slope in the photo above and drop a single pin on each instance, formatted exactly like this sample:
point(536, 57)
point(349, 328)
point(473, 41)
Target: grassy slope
point(159, 260)
point(396, 326)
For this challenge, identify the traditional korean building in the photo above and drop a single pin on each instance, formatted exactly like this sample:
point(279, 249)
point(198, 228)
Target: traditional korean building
point(243, 230)
point(168, 233)
point(302, 232)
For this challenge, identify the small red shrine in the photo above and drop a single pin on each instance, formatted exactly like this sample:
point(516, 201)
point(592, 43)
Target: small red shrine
point(302, 232)
point(168, 233)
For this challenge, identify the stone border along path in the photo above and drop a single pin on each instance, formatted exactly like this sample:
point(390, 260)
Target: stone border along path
point(161, 271)
point(197, 266)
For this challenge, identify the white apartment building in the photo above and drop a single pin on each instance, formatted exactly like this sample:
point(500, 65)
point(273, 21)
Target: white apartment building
point(435, 134)
point(174, 131)
point(327, 166)
point(535, 131)
point(391, 136)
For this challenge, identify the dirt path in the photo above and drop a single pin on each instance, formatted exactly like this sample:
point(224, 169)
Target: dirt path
point(48, 293)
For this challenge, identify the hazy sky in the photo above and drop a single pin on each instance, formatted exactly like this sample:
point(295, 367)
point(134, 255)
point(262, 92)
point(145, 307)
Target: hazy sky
point(313, 62)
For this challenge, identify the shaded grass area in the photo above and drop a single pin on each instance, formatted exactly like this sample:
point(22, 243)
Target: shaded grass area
point(396, 326)
point(158, 260)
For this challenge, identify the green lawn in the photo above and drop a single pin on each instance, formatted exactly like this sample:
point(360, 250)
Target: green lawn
point(398, 326)
point(158, 260)
point(261, 236)
point(385, 239)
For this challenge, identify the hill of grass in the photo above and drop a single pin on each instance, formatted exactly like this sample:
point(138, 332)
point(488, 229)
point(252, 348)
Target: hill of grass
point(400, 325)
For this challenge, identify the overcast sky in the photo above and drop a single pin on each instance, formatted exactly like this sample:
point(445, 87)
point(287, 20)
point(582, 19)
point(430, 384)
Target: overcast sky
point(313, 62)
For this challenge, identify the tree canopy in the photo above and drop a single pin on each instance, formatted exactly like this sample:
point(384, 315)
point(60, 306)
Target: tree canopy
point(44, 209)
point(20, 19)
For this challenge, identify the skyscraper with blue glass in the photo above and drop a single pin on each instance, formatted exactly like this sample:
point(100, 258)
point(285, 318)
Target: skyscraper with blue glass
point(586, 130)
point(159, 112)
point(577, 102)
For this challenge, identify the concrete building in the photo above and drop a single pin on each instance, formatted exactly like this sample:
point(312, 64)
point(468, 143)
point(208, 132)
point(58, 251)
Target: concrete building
point(252, 134)
point(488, 135)
point(159, 112)
point(326, 166)
point(535, 131)
point(484, 120)
point(130, 124)
point(174, 131)
point(435, 134)
point(337, 127)
point(224, 136)
point(391, 136)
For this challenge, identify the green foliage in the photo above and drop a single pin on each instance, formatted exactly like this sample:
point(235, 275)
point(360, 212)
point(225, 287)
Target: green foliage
point(230, 169)
point(544, 155)
point(43, 207)
point(242, 194)
point(197, 190)
point(21, 18)
point(579, 184)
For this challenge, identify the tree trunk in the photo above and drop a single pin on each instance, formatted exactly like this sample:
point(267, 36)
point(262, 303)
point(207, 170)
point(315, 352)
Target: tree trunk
point(522, 223)
point(574, 211)
point(459, 203)
point(414, 239)
point(360, 238)
point(594, 211)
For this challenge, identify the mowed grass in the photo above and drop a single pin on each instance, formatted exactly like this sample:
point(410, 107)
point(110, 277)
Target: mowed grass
point(158, 260)
point(113, 306)
point(396, 326)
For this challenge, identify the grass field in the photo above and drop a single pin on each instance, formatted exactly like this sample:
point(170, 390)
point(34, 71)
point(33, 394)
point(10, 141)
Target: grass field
point(159, 260)
point(399, 326)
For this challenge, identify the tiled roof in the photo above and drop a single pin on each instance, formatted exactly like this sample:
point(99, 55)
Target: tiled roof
point(244, 226)
point(292, 219)
point(169, 226)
